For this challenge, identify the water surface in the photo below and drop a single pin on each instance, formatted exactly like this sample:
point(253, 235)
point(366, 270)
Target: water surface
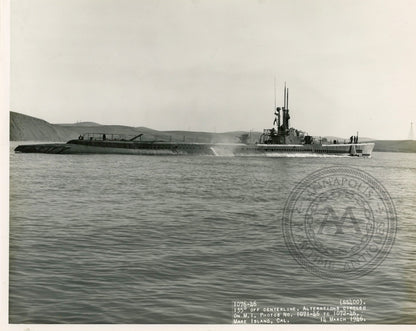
point(175, 239)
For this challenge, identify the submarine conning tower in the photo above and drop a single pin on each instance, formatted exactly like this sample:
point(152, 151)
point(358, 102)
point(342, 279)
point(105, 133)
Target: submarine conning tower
point(282, 133)
point(279, 134)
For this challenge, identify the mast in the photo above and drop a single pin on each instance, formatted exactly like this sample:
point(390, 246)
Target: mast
point(287, 110)
point(275, 93)
point(284, 109)
point(287, 99)
point(286, 116)
point(284, 98)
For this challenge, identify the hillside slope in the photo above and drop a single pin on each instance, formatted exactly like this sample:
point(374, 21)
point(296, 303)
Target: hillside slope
point(24, 127)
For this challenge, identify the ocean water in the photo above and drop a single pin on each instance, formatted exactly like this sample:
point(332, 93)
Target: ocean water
point(155, 239)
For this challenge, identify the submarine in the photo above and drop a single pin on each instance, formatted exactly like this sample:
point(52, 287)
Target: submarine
point(281, 139)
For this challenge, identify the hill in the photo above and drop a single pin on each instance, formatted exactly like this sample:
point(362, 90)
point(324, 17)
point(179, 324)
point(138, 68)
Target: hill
point(80, 124)
point(28, 128)
point(404, 146)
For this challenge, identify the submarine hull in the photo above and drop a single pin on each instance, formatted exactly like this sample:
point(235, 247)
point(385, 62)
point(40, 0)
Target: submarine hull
point(83, 147)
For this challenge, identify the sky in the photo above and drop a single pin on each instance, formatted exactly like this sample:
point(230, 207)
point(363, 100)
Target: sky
point(210, 65)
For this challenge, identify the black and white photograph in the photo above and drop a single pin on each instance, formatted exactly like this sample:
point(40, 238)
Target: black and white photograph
point(208, 162)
